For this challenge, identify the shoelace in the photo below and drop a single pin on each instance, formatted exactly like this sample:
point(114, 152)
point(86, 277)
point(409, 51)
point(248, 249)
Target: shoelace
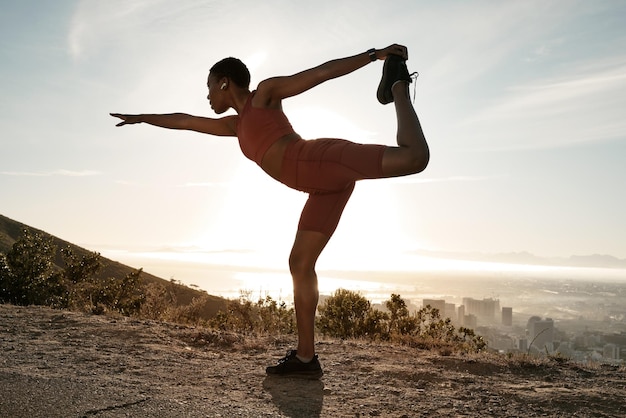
point(289, 355)
point(413, 76)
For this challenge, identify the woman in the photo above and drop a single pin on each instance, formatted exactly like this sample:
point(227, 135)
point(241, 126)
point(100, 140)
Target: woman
point(325, 168)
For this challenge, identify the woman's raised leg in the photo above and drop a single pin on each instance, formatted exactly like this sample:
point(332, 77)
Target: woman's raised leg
point(412, 154)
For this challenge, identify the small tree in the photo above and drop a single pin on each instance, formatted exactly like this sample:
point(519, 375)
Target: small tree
point(159, 302)
point(124, 295)
point(80, 269)
point(27, 275)
point(434, 327)
point(344, 314)
point(377, 325)
point(400, 321)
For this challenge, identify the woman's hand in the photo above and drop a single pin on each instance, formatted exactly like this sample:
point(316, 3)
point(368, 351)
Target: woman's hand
point(127, 119)
point(394, 49)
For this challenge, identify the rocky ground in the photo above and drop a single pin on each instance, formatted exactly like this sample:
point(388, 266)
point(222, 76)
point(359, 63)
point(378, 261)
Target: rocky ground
point(66, 364)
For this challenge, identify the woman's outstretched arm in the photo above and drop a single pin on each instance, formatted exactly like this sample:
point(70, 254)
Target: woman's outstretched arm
point(220, 127)
point(273, 90)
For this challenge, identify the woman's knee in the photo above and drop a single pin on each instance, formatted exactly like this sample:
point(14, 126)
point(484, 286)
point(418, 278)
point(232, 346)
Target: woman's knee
point(306, 249)
point(402, 161)
point(415, 160)
point(300, 265)
point(420, 160)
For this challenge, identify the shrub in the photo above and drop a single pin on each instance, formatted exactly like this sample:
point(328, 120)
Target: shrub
point(344, 315)
point(158, 302)
point(265, 317)
point(400, 321)
point(347, 314)
point(98, 296)
point(27, 275)
point(190, 314)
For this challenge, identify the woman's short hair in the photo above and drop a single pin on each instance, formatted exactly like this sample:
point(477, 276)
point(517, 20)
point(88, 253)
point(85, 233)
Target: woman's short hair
point(234, 69)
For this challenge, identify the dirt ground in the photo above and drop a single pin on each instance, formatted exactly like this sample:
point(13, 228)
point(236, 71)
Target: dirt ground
point(67, 364)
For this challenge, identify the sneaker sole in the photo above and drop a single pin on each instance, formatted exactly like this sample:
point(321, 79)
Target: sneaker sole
point(385, 85)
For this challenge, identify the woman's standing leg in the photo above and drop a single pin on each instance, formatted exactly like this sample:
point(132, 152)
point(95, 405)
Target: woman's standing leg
point(303, 362)
point(306, 249)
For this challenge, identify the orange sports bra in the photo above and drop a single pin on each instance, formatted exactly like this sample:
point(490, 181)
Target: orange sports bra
point(259, 128)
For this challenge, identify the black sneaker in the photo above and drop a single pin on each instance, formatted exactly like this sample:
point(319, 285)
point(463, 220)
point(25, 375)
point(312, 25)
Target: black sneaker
point(291, 366)
point(394, 69)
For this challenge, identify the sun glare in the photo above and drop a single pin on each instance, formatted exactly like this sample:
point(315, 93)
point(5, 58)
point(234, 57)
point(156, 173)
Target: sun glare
point(260, 216)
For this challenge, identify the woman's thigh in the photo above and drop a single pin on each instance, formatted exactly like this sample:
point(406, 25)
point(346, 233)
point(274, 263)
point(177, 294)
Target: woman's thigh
point(322, 211)
point(330, 165)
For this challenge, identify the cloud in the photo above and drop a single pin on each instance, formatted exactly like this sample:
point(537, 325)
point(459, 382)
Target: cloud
point(133, 25)
point(96, 24)
point(56, 173)
point(585, 104)
point(545, 50)
point(545, 95)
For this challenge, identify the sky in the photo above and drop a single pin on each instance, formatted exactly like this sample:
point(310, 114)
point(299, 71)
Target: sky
point(522, 103)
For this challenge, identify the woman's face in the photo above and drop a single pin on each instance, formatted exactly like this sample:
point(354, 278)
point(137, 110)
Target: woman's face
point(217, 95)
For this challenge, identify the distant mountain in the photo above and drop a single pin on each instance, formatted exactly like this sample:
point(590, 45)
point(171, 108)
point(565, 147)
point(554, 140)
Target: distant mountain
point(593, 261)
point(596, 260)
point(10, 231)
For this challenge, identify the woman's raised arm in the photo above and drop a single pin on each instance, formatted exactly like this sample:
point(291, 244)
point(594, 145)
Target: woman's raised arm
point(273, 90)
point(220, 127)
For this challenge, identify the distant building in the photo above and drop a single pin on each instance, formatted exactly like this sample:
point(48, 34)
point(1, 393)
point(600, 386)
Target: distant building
point(611, 352)
point(507, 317)
point(450, 311)
point(541, 332)
point(470, 321)
point(522, 344)
point(485, 309)
point(439, 304)
point(461, 315)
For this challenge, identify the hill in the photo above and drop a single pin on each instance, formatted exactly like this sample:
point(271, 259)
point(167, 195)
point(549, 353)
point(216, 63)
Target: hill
point(11, 230)
point(59, 364)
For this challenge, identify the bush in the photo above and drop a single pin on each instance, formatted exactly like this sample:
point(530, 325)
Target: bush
point(158, 302)
point(98, 296)
point(27, 275)
point(265, 317)
point(400, 322)
point(347, 314)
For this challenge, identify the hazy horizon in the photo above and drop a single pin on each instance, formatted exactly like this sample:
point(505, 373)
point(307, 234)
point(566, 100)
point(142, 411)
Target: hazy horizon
point(414, 276)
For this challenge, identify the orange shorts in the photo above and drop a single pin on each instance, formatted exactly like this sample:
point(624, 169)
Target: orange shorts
point(327, 170)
